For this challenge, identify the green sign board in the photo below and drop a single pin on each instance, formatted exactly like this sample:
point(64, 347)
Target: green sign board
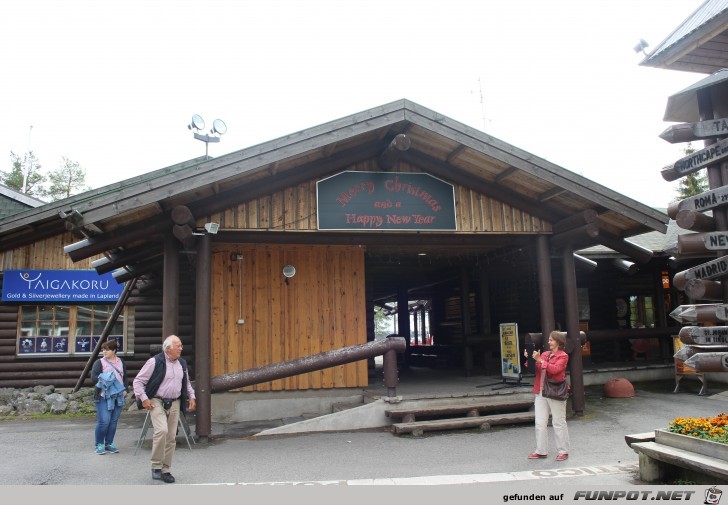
point(385, 201)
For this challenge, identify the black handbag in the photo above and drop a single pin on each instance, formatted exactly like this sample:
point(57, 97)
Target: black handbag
point(556, 390)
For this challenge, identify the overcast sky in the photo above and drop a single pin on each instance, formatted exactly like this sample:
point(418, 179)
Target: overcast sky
point(113, 85)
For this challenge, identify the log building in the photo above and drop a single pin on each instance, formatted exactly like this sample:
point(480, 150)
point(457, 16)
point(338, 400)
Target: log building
point(284, 249)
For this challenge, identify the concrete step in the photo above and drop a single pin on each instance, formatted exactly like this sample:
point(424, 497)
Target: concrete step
point(483, 422)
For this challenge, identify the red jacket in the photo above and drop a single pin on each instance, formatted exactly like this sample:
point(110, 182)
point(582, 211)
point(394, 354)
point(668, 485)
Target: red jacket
point(555, 365)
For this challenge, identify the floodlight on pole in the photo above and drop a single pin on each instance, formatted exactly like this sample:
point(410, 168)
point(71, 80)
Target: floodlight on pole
point(218, 129)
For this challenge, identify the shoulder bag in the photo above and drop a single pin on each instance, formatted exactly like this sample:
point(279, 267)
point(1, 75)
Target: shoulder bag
point(556, 390)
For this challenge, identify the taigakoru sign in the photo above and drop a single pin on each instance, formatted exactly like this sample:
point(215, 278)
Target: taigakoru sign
point(385, 201)
point(28, 286)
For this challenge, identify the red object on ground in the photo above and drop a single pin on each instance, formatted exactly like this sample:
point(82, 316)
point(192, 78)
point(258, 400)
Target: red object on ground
point(618, 388)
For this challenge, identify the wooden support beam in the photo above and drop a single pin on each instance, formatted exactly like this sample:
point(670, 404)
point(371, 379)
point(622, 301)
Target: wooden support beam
point(625, 266)
point(576, 237)
point(184, 234)
point(505, 174)
point(391, 154)
point(586, 263)
point(551, 193)
point(636, 252)
point(127, 257)
point(587, 216)
point(693, 220)
point(182, 215)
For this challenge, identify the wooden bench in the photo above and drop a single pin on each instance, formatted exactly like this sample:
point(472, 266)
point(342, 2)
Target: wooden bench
point(656, 460)
point(648, 436)
point(470, 409)
point(664, 456)
point(483, 422)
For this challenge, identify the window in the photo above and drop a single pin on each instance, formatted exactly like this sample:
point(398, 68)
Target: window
point(641, 312)
point(66, 329)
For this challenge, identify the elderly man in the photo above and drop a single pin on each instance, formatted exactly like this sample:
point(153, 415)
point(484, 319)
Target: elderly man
point(163, 386)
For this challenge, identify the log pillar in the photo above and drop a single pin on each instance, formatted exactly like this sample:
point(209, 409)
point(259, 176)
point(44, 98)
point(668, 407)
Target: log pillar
point(573, 347)
point(170, 288)
point(203, 301)
point(545, 285)
point(465, 321)
point(403, 319)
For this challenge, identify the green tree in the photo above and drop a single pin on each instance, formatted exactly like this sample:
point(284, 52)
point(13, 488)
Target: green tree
point(29, 167)
point(67, 180)
point(382, 322)
point(692, 184)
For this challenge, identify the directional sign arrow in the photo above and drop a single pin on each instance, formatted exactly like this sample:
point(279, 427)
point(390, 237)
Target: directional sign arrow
point(705, 313)
point(710, 270)
point(688, 350)
point(695, 161)
point(708, 362)
point(704, 335)
point(686, 132)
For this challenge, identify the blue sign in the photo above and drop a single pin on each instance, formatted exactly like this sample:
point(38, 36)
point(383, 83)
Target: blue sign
point(69, 286)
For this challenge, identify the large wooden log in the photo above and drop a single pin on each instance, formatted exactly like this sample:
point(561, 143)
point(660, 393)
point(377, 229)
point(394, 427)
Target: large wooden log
point(689, 219)
point(396, 147)
point(577, 237)
point(184, 234)
point(698, 244)
point(704, 335)
point(686, 132)
point(709, 362)
point(702, 289)
point(625, 266)
point(182, 215)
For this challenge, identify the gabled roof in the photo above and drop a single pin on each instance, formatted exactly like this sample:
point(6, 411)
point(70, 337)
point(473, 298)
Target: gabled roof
point(14, 202)
point(440, 146)
point(698, 44)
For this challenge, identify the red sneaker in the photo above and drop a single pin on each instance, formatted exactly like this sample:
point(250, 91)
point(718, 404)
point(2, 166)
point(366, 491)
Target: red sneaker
point(562, 457)
point(535, 455)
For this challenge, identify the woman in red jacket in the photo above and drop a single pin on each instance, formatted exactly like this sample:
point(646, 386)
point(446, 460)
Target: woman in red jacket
point(553, 363)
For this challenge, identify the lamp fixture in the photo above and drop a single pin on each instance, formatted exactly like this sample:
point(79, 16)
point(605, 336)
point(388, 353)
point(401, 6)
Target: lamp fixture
point(641, 46)
point(198, 124)
point(212, 228)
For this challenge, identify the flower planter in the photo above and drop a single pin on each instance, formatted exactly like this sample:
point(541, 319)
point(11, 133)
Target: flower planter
point(692, 444)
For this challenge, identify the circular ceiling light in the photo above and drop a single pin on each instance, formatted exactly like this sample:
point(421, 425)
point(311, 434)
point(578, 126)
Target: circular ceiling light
point(289, 271)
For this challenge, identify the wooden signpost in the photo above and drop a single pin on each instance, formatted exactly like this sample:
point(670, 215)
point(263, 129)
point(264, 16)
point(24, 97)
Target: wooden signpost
point(703, 335)
point(710, 270)
point(705, 313)
point(709, 362)
point(687, 132)
point(695, 161)
point(702, 202)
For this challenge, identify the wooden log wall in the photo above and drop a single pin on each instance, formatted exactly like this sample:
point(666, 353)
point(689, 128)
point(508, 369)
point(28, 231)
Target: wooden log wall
point(319, 309)
point(294, 208)
point(45, 254)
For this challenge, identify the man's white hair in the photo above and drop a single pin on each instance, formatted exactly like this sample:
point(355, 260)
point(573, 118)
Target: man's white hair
point(168, 342)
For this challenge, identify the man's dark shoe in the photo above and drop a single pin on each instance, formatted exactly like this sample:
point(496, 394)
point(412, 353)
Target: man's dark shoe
point(167, 477)
point(156, 474)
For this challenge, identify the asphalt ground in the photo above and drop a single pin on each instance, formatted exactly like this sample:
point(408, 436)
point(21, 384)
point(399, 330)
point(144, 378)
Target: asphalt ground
point(60, 452)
